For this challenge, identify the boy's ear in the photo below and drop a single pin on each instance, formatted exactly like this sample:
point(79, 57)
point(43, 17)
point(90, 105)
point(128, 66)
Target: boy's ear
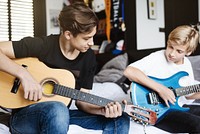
point(67, 34)
point(188, 53)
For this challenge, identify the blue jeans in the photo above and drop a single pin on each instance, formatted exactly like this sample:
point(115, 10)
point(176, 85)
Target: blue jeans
point(118, 125)
point(41, 118)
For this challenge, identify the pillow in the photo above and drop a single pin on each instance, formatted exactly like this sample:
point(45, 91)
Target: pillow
point(110, 90)
point(195, 61)
point(113, 70)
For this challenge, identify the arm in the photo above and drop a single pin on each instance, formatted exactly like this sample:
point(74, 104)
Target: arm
point(136, 75)
point(194, 96)
point(32, 89)
point(111, 110)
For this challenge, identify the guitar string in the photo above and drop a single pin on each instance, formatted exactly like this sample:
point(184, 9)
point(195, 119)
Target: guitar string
point(144, 129)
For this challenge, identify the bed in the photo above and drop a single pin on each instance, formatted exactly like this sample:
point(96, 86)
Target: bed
point(107, 84)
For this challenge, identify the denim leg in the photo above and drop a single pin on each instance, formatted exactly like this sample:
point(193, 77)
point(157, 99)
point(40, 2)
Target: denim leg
point(118, 125)
point(41, 118)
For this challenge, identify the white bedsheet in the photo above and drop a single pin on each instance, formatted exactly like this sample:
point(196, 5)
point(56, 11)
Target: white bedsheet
point(4, 129)
point(113, 91)
point(134, 129)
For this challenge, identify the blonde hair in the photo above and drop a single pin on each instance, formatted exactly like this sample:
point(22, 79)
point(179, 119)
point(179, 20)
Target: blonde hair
point(185, 35)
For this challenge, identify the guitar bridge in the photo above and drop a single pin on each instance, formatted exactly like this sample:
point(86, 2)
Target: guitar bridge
point(154, 98)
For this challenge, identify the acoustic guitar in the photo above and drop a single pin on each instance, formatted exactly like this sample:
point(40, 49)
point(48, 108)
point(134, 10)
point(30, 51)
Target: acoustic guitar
point(149, 99)
point(58, 85)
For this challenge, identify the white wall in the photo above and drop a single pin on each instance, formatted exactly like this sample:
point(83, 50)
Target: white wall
point(199, 9)
point(148, 35)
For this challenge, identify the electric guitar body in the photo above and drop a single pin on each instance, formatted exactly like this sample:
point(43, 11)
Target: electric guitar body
point(149, 99)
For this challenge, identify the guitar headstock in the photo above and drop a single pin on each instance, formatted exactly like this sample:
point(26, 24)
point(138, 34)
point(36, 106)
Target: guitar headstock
point(141, 115)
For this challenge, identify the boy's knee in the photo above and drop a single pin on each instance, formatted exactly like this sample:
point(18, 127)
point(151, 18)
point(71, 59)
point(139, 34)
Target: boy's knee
point(59, 108)
point(57, 111)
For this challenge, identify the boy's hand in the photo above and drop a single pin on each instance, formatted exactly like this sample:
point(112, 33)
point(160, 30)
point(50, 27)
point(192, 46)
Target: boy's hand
point(32, 89)
point(112, 110)
point(167, 95)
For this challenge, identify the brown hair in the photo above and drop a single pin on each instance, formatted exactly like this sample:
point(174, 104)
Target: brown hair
point(185, 35)
point(77, 18)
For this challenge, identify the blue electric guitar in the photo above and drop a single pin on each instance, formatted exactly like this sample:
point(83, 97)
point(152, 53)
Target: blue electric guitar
point(147, 98)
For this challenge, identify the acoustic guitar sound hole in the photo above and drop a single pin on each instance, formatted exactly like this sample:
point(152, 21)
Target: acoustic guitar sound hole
point(48, 86)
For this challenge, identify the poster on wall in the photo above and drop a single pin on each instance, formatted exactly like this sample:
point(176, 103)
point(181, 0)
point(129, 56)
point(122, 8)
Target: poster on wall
point(53, 9)
point(54, 18)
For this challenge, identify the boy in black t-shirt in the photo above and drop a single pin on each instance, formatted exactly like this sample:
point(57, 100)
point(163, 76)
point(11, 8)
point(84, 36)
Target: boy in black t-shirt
point(69, 50)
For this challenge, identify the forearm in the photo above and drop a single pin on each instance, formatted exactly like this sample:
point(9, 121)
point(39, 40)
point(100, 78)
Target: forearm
point(134, 74)
point(194, 96)
point(89, 108)
point(8, 66)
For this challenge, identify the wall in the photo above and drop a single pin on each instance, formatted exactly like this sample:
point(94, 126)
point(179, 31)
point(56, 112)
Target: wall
point(53, 8)
point(199, 8)
point(148, 29)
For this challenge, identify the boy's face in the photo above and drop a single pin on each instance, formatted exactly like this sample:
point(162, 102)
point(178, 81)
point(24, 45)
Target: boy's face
point(175, 53)
point(83, 41)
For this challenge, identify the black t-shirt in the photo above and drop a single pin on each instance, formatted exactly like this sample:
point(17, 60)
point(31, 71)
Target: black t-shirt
point(47, 50)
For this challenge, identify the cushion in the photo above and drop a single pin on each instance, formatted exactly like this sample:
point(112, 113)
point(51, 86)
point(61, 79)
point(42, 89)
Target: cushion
point(195, 61)
point(110, 90)
point(112, 71)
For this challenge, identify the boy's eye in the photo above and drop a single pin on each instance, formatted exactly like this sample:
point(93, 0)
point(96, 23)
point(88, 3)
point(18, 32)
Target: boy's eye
point(170, 46)
point(180, 52)
point(86, 38)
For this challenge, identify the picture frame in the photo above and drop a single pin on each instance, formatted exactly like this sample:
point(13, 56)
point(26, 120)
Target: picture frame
point(152, 9)
point(53, 9)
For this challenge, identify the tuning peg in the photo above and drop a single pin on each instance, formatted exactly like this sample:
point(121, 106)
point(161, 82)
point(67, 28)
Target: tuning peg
point(134, 118)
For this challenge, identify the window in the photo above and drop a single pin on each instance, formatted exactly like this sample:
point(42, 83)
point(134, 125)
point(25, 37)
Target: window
point(4, 20)
point(16, 19)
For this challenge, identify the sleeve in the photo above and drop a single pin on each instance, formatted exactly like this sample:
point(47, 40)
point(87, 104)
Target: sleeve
point(28, 47)
point(145, 64)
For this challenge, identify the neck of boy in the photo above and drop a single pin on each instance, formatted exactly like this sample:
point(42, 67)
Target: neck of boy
point(67, 49)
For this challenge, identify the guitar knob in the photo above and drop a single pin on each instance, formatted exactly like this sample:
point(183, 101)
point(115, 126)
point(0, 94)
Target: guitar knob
point(157, 110)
